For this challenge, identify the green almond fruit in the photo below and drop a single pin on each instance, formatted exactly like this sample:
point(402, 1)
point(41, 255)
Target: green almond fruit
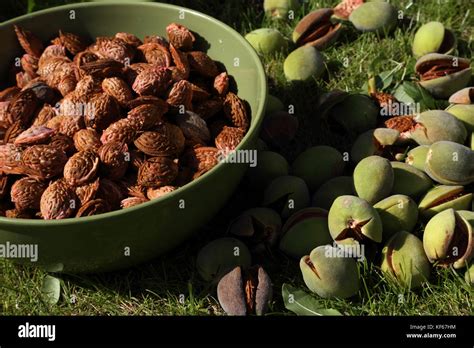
point(448, 239)
point(456, 76)
point(339, 186)
point(398, 213)
point(328, 275)
point(267, 41)
point(409, 180)
point(373, 179)
point(416, 157)
point(303, 64)
point(438, 125)
point(373, 142)
point(304, 231)
point(464, 113)
point(286, 195)
point(259, 227)
point(274, 104)
point(444, 197)
point(220, 256)
point(433, 37)
point(270, 165)
point(463, 96)
point(450, 163)
point(279, 9)
point(380, 17)
point(404, 258)
point(318, 164)
point(353, 220)
point(469, 275)
point(355, 113)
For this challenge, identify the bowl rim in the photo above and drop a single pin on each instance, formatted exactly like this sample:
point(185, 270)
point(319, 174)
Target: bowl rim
point(256, 118)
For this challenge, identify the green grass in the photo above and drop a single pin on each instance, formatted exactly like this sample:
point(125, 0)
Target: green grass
point(170, 285)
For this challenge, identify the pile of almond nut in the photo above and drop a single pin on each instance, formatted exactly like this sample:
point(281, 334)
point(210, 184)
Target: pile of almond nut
point(92, 127)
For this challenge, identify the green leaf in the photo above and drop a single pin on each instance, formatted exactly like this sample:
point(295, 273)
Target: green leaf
point(418, 95)
point(302, 303)
point(386, 78)
point(382, 81)
point(51, 289)
point(402, 96)
point(411, 89)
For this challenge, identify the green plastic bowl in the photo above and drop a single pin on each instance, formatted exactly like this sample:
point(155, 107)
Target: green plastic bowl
point(127, 237)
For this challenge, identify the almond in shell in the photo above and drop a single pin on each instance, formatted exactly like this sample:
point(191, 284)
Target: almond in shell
point(81, 168)
point(236, 111)
point(43, 161)
point(26, 193)
point(157, 171)
point(229, 138)
point(93, 207)
point(58, 201)
point(117, 88)
point(114, 158)
point(34, 135)
point(29, 42)
point(87, 139)
point(180, 36)
point(154, 193)
point(203, 64)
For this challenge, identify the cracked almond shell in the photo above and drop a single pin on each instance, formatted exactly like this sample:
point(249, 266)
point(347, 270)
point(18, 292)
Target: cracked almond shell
point(329, 276)
point(410, 181)
point(404, 258)
point(259, 227)
point(416, 157)
point(373, 142)
point(316, 29)
point(245, 292)
point(81, 168)
point(353, 220)
point(450, 163)
point(438, 125)
point(398, 213)
point(447, 78)
point(463, 96)
point(444, 197)
point(449, 239)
